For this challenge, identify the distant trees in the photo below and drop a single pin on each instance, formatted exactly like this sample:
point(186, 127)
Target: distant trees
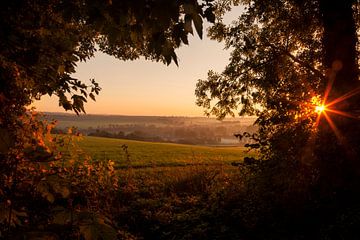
point(180, 135)
point(165, 129)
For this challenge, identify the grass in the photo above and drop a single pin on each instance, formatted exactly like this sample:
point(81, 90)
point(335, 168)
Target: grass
point(145, 154)
point(193, 192)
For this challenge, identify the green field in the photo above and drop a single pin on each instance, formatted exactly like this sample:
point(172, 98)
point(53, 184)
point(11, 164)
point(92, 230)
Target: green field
point(144, 154)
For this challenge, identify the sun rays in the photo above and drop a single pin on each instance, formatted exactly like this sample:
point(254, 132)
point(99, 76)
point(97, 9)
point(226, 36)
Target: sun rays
point(318, 109)
point(327, 109)
point(324, 108)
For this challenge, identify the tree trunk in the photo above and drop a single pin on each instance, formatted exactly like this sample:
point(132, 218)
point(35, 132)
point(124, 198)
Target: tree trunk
point(339, 142)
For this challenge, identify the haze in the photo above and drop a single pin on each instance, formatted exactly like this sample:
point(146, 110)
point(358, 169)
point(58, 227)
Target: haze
point(143, 87)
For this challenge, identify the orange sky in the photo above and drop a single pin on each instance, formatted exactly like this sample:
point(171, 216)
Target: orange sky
point(149, 88)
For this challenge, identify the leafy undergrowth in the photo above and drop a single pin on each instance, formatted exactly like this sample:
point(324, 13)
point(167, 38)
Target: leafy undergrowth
point(257, 201)
point(193, 202)
point(48, 196)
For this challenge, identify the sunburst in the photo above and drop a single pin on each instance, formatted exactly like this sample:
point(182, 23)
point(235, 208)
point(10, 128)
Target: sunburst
point(324, 108)
point(320, 109)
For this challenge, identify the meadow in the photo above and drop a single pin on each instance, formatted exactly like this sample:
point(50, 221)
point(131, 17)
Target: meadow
point(139, 154)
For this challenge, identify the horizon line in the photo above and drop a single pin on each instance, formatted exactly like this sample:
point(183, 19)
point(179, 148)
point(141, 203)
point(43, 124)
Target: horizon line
point(128, 115)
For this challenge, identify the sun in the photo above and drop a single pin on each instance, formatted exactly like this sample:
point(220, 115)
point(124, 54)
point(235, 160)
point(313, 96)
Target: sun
point(318, 105)
point(320, 108)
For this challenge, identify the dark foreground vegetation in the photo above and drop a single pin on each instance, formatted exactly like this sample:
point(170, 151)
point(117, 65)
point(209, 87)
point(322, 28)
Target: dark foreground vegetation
point(250, 202)
point(82, 198)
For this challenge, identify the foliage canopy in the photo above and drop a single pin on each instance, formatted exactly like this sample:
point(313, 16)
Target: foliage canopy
point(285, 55)
point(43, 41)
point(41, 44)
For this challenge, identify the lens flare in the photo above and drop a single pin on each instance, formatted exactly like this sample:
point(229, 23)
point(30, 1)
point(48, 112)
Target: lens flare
point(318, 104)
point(320, 108)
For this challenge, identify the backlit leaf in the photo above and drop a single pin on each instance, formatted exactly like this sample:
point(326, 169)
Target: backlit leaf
point(198, 22)
point(187, 26)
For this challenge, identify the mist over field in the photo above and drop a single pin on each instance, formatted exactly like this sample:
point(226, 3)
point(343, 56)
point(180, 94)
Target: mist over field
point(185, 130)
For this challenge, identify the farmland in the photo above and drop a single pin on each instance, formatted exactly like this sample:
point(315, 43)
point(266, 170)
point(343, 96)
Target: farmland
point(183, 130)
point(145, 154)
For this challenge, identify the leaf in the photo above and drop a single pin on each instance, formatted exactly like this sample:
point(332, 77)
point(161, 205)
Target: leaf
point(78, 103)
point(20, 214)
point(61, 216)
point(39, 154)
point(184, 38)
point(168, 52)
point(55, 182)
point(41, 235)
point(64, 102)
point(209, 14)
point(62, 190)
point(97, 230)
point(198, 22)
point(92, 96)
point(189, 9)
point(61, 69)
point(167, 59)
point(187, 25)
point(174, 57)
point(4, 215)
point(134, 36)
point(43, 189)
point(83, 92)
point(93, 226)
point(6, 141)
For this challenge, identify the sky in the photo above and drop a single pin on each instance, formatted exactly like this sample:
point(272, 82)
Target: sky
point(147, 88)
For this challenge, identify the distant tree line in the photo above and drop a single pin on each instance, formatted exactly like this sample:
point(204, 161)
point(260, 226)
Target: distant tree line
point(186, 134)
point(142, 136)
point(136, 135)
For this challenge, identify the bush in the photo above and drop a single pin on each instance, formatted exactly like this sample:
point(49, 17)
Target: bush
point(43, 195)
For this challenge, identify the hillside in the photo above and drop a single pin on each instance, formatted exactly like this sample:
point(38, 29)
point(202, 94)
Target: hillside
point(145, 154)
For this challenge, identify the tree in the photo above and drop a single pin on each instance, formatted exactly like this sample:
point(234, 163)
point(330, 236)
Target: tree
point(289, 56)
point(42, 42)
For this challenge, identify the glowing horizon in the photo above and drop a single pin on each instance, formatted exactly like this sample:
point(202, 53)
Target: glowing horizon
point(143, 87)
